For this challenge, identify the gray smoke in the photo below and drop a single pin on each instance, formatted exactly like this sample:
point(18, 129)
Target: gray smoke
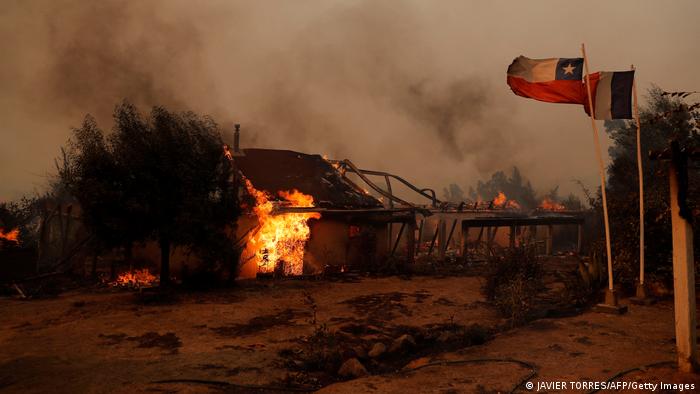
point(411, 87)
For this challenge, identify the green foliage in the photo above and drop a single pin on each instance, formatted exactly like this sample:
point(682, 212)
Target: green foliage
point(666, 117)
point(163, 178)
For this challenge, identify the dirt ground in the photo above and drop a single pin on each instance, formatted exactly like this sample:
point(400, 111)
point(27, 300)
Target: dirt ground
point(108, 340)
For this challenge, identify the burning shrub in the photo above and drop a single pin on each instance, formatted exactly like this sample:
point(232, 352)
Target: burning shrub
point(513, 279)
point(136, 279)
point(16, 222)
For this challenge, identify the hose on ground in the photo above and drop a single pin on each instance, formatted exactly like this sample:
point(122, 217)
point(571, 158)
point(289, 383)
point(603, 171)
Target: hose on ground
point(532, 374)
point(626, 371)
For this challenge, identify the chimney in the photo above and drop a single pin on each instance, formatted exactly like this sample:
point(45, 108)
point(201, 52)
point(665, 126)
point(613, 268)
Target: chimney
point(237, 141)
point(236, 138)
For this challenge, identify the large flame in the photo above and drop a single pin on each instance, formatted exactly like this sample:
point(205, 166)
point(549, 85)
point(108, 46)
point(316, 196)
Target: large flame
point(136, 279)
point(501, 201)
point(12, 235)
point(551, 205)
point(281, 238)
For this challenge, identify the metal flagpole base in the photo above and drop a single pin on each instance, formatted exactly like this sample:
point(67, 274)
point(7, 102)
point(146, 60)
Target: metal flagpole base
point(642, 297)
point(611, 304)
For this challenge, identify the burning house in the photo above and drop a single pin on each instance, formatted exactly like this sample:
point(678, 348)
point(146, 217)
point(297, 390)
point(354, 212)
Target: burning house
point(305, 217)
point(305, 214)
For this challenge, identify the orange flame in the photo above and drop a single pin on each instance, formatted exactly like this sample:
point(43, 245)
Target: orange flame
point(550, 205)
point(136, 278)
point(501, 201)
point(12, 235)
point(281, 238)
point(227, 152)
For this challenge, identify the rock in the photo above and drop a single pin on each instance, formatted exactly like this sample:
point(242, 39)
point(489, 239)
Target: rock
point(402, 343)
point(352, 368)
point(377, 350)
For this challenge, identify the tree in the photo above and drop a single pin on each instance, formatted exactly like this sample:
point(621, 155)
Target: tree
point(514, 187)
point(665, 117)
point(163, 179)
point(453, 193)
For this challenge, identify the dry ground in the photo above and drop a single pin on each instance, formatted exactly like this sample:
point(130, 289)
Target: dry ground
point(114, 341)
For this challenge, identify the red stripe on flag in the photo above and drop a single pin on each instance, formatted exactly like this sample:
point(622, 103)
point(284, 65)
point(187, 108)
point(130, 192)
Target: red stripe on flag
point(561, 91)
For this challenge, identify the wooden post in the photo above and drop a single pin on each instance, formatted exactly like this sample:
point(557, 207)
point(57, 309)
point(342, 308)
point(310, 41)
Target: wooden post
point(449, 235)
point(442, 238)
point(579, 238)
point(548, 241)
point(683, 277)
point(641, 291)
point(511, 237)
point(389, 235)
point(432, 242)
point(420, 235)
point(610, 295)
point(411, 241)
point(463, 240)
point(398, 238)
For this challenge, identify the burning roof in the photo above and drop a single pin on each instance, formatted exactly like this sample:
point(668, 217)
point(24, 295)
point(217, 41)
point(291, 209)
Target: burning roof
point(272, 170)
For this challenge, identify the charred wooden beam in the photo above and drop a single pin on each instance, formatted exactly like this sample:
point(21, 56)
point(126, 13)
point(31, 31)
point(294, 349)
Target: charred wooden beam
point(420, 235)
point(398, 239)
point(449, 236)
point(521, 221)
point(432, 243)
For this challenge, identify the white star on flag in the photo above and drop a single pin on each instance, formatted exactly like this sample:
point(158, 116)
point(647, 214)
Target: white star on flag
point(569, 69)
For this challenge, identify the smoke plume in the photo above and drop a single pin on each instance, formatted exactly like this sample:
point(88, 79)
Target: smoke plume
point(414, 88)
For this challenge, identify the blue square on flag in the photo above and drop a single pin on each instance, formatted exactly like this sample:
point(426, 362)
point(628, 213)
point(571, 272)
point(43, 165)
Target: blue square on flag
point(569, 69)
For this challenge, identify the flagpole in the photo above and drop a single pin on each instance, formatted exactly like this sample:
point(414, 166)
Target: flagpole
point(641, 187)
point(609, 299)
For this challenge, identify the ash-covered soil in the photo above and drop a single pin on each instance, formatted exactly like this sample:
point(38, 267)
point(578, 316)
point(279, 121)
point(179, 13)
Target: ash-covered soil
point(299, 334)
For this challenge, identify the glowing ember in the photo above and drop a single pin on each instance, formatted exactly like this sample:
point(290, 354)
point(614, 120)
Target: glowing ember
point(12, 235)
point(501, 201)
point(136, 279)
point(549, 205)
point(334, 163)
point(280, 239)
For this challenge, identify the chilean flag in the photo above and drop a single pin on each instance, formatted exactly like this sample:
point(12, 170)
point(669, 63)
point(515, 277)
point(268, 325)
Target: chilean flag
point(612, 94)
point(555, 80)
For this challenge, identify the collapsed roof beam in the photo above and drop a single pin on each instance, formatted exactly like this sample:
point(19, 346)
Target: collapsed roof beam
point(423, 192)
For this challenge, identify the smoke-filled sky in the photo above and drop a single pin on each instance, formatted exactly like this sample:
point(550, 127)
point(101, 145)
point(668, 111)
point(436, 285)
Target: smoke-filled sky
point(411, 87)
